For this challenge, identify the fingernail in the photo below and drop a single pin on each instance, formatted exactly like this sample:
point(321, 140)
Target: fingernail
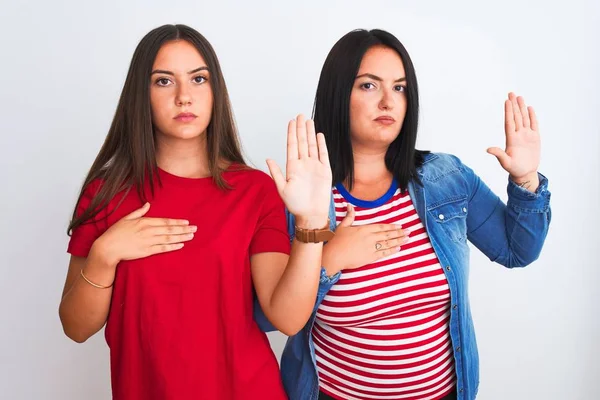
point(194, 228)
point(398, 248)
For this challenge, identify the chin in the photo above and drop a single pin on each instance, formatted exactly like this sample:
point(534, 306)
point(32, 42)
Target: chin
point(186, 134)
point(387, 135)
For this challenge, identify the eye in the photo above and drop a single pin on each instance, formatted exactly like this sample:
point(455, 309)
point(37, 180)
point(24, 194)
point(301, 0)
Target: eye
point(368, 85)
point(200, 79)
point(400, 88)
point(163, 82)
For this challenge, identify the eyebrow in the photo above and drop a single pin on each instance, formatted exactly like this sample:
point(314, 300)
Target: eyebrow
point(376, 78)
point(162, 71)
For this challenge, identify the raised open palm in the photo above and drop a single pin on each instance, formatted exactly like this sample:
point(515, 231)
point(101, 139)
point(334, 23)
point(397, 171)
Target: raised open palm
point(522, 154)
point(306, 187)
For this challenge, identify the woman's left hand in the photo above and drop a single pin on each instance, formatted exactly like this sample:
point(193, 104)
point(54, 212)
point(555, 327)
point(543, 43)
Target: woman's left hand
point(306, 187)
point(521, 158)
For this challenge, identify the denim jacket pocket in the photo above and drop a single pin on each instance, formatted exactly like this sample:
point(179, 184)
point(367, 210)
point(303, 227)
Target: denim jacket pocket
point(451, 215)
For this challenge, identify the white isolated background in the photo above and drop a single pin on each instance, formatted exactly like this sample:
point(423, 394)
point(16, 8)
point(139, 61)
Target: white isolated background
point(63, 64)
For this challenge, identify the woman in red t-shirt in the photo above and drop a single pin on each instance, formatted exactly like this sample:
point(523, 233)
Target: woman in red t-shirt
point(173, 235)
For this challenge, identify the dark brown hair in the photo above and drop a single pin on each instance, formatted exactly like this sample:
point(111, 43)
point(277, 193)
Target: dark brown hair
point(127, 158)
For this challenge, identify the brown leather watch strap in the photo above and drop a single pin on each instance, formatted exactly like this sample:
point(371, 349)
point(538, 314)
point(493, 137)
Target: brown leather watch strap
point(314, 235)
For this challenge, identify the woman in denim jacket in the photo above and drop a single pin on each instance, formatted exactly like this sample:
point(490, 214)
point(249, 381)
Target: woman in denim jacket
point(392, 317)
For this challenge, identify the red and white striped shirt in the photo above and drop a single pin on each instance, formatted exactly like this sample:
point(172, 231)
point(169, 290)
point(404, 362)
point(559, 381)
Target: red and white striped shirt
point(382, 331)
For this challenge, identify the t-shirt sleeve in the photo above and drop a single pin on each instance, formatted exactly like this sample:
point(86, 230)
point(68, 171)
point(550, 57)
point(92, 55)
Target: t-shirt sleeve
point(271, 233)
point(85, 234)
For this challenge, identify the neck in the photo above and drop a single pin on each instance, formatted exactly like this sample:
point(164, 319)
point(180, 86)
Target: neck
point(369, 168)
point(371, 177)
point(187, 158)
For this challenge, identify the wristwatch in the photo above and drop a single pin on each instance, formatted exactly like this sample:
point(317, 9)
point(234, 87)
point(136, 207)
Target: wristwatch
point(314, 235)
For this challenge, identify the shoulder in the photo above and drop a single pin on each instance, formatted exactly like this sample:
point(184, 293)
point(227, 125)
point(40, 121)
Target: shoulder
point(441, 160)
point(440, 165)
point(88, 193)
point(244, 176)
point(102, 188)
point(108, 203)
point(256, 175)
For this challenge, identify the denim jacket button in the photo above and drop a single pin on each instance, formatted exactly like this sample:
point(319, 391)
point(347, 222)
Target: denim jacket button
point(455, 306)
point(441, 216)
point(448, 268)
point(464, 209)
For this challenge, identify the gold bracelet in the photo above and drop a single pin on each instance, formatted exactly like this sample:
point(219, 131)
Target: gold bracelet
point(94, 284)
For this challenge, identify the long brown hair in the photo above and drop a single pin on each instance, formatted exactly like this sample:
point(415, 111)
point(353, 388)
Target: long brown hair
point(127, 158)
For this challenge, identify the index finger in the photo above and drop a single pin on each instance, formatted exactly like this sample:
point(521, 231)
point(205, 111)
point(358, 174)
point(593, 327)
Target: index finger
point(165, 221)
point(322, 145)
point(292, 141)
point(397, 233)
point(385, 227)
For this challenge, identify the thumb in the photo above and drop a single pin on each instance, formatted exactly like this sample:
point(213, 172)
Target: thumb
point(501, 155)
point(277, 175)
point(139, 213)
point(349, 218)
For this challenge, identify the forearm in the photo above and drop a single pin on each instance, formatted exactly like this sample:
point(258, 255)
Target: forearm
point(528, 216)
point(512, 234)
point(84, 308)
point(331, 263)
point(294, 296)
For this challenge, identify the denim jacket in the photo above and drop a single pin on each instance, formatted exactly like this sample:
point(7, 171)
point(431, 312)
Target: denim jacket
point(455, 206)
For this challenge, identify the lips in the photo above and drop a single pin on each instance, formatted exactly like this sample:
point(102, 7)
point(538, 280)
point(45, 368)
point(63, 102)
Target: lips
point(385, 120)
point(185, 117)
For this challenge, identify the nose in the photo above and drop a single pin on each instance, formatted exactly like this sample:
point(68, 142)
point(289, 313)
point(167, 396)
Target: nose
point(183, 97)
point(386, 103)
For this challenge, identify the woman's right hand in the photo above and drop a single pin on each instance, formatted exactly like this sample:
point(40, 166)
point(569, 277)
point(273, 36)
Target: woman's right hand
point(135, 236)
point(355, 246)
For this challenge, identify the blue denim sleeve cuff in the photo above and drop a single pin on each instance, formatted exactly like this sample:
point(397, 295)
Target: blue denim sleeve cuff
point(525, 201)
point(329, 280)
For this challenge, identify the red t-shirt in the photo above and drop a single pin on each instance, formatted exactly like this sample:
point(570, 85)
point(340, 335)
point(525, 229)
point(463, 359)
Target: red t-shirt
point(180, 324)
